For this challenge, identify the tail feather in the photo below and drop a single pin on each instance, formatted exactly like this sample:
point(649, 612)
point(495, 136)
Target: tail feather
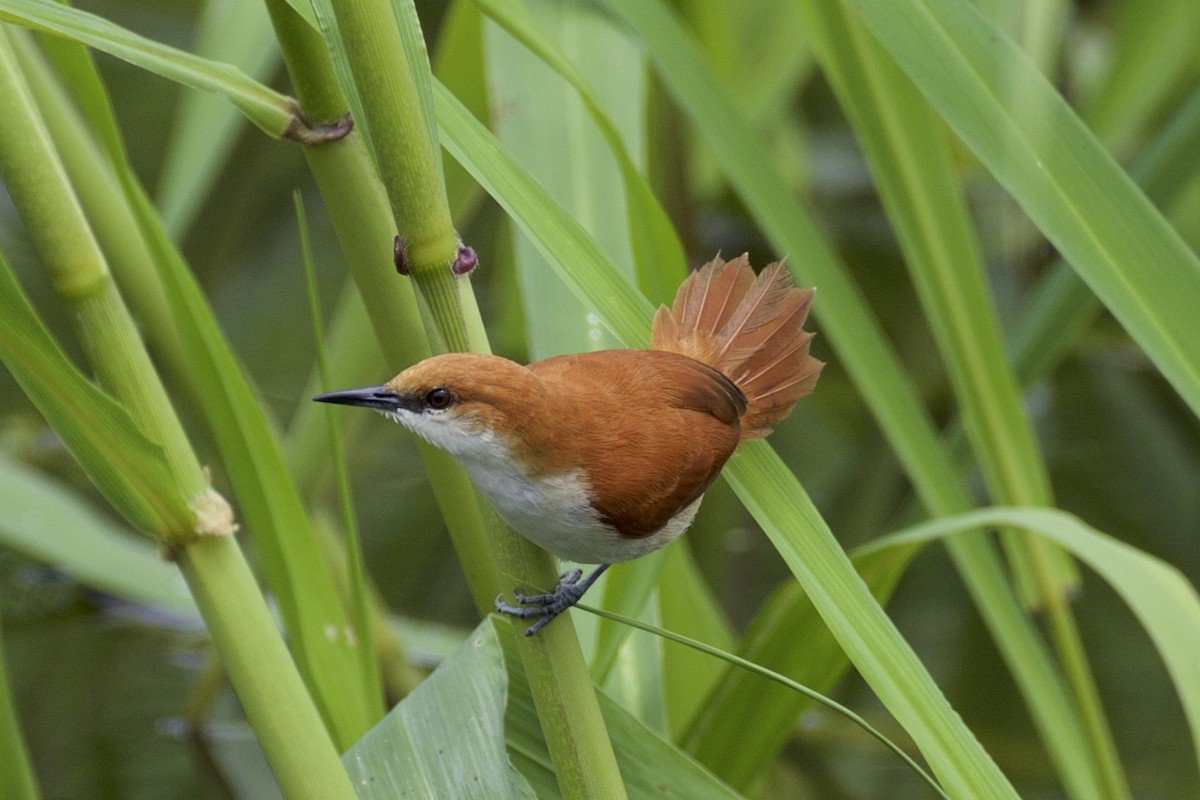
point(748, 328)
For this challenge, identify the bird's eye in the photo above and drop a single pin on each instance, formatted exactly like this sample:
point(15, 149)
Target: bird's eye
point(439, 399)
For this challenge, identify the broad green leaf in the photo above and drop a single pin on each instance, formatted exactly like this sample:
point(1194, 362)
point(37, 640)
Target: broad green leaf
point(651, 767)
point(129, 469)
point(446, 739)
point(762, 481)
point(1039, 150)
point(47, 522)
point(271, 111)
point(625, 311)
point(1162, 599)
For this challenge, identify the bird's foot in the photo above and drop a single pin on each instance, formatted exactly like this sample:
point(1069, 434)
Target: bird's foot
point(546, 607)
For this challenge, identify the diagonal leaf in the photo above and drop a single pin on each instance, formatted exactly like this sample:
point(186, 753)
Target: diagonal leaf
point(269, 110)
point(1040, 151)
point(205, 128)
point(541, 121)
point(1163, 600)
point(910, 157)
point(130, 470)
point(656, 247)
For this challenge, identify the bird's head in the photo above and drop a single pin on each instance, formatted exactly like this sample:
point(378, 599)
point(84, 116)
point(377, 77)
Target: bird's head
point(467, 404)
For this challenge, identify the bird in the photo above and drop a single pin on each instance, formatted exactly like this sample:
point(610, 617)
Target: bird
point(601, 457)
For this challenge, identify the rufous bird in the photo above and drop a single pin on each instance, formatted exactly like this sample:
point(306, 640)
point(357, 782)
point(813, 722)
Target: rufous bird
point(603, 457)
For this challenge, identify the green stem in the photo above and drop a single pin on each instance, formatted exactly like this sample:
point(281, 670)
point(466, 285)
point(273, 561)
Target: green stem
point(39, 189)
point(561, 685)
point(100, 195)
point(363, 222)
point(290, 730)
point(406, 158)
point(269, 686)
point(118, 355)
point(38, 184)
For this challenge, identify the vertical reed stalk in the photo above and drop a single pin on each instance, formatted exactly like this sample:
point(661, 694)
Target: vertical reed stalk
point(291, 732)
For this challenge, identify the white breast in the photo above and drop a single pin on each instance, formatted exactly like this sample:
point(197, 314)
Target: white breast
point(553, 511)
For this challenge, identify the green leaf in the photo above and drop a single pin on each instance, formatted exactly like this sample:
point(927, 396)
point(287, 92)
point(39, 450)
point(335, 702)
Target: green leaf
point(1162, 599)
point(544, 125)
point(47, 522)
point(651, 767)
point(269, 110)
point(910, 157)
point(1037, 148)
point(446, 739)
point(592, 276)
point(130, 470)
point(606, 55)
point(787, 636)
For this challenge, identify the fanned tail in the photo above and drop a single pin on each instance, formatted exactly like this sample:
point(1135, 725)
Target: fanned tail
point(749, 329)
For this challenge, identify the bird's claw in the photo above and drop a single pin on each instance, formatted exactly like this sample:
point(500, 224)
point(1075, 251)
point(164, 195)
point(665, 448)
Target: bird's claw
point(545, 607)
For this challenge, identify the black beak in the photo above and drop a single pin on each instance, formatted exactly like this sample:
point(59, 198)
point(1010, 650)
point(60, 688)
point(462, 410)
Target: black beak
point(371, 397)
